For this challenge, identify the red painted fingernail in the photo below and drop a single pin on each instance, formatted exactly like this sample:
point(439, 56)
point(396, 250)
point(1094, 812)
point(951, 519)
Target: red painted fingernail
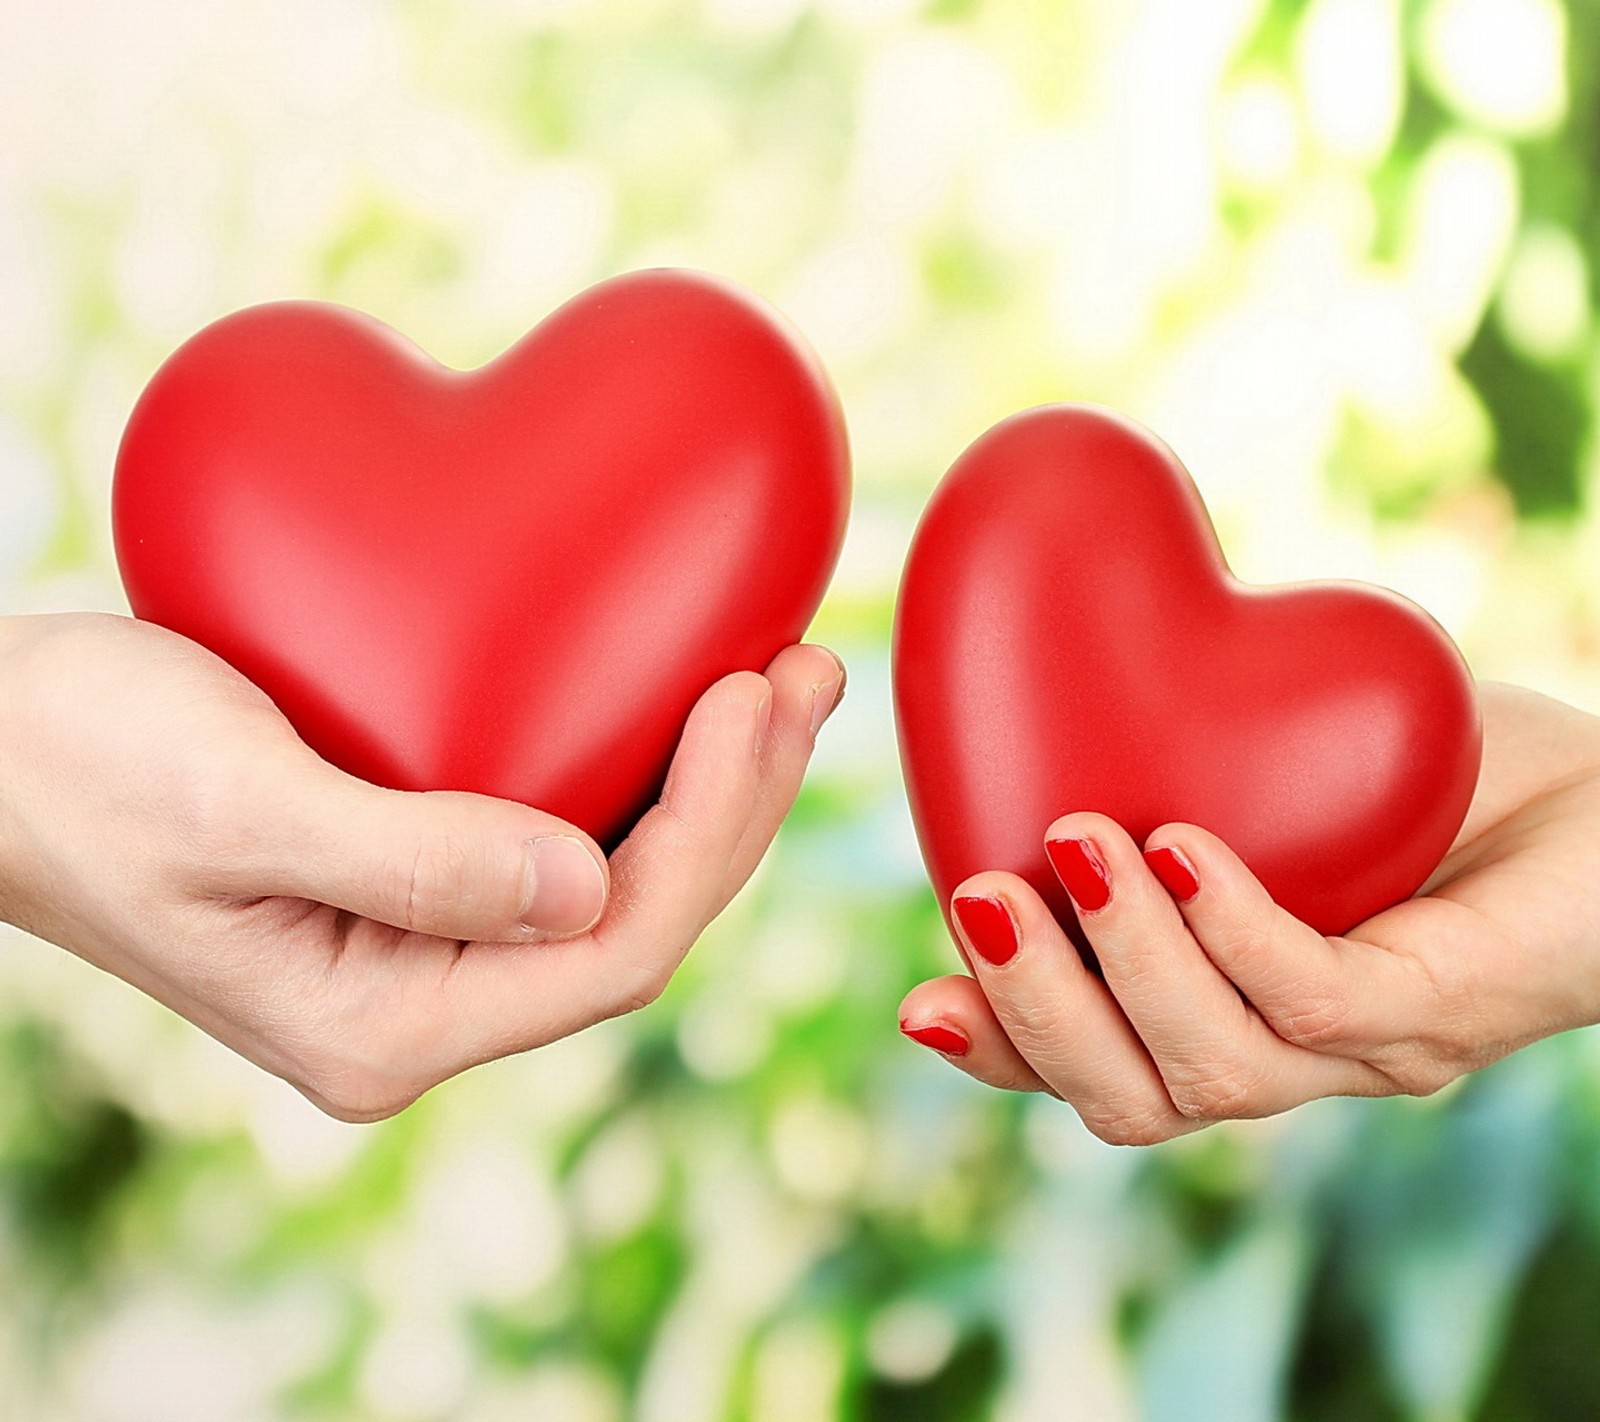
point(1176, 873)
point(1082, 872)
point(941, 1039)
point(988, 928)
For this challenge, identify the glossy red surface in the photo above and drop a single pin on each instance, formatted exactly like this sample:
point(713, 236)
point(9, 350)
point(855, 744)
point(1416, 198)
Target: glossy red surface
point(515, 580)
point(1069, 638)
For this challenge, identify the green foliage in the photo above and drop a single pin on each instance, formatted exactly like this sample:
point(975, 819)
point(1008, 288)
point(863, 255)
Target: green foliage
point(1541, 421)
point(754, 1201)
point(68, 1154)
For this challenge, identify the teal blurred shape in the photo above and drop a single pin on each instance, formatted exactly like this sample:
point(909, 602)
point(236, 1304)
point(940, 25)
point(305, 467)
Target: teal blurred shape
point(1218, 1347)
point(1450, 1205)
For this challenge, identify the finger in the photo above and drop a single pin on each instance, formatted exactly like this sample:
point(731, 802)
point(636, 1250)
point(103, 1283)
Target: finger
point(1341, 997)
point(1216, 1056)
point(445, 863)
point(952, 1017)
point(1059, 1016)
point(807, 685)
point(665, 881)
point(669, 872)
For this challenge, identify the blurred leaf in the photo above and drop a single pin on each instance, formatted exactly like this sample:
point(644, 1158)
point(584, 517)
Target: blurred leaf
point(1337, 1373)
point(1449, 1207)
point(1547, 1365)
point(1541, 421)
point(1150, 204)
point(1218, 1347)
point(67, 1154)
point(961, 1391)
point(625, 1288)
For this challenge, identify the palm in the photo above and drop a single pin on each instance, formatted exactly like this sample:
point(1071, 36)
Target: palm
point(1515, 897)
point(363, 943)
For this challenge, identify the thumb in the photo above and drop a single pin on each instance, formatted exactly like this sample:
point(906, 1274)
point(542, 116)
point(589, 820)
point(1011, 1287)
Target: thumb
point(445, 863)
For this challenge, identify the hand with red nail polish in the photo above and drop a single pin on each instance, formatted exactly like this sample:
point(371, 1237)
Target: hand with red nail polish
point(159, 818)
point(1207, 1001)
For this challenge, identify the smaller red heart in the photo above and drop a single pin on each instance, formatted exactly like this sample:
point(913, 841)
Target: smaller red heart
point(1069, 637)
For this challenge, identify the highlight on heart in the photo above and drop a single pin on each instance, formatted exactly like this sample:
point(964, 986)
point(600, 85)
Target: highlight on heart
point(798, 711)
point(1069, 634)
point(515, 581)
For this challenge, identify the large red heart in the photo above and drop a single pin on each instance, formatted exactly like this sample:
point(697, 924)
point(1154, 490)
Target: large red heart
point(1070, 638)
point(515, 580)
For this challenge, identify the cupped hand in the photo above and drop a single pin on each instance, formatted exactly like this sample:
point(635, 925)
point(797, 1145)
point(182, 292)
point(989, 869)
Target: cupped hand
point(1217, 1004)
point(161, 819)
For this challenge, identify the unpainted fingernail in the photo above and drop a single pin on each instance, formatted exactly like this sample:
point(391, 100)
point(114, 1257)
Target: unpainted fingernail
point(826, 696)
point(1082, 872)
point(1173, 868)
point(563, 885)
point(942, 1039)
point(986, 924)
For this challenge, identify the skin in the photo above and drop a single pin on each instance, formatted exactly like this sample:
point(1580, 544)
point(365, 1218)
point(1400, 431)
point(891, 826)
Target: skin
point(1225, 1006)
point(160, 818)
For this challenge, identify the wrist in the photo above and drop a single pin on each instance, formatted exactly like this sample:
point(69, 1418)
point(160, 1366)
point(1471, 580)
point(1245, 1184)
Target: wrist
point(8, 837)
point(13, 636)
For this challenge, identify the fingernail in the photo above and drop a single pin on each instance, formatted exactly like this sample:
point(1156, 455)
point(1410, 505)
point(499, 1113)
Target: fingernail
point(988, 928)
point(1176, 873)
point(564, 888)
point(941, 1039)
point(825, 698)
point(1082, 872)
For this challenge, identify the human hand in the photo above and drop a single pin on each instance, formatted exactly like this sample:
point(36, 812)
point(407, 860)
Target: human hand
point(161, 819)
point(1216, 1004)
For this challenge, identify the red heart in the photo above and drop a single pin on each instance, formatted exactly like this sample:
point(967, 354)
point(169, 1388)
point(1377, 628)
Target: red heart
point(515, 580)
point(1070, 638)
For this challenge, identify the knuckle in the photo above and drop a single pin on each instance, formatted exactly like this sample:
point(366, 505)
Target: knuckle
point(1465, 1031)
point(437, 881)
point(1224, 1093)
point(1460, 1037)
point(644, 986)
point(1245, 943)
point(1129, 1127)
point(1319, 1020)
point(1419, 1072)
point(695, 838)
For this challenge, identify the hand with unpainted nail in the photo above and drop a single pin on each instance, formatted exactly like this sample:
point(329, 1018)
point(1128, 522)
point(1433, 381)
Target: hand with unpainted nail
point(1214, 1004)
point(161, 819)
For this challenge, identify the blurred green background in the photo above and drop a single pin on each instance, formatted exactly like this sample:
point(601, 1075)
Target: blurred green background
point(1337, 252)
